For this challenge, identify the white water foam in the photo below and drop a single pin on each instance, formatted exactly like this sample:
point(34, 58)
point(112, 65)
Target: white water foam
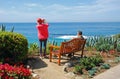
point(69, 37)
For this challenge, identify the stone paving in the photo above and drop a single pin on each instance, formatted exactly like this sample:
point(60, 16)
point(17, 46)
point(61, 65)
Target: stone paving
point(112, 73)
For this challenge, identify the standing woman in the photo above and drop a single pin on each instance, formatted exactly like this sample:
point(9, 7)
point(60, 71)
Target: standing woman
point(43, 34)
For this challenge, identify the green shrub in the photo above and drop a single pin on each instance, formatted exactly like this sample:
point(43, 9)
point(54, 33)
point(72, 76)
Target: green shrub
point(90, 62)
point(104, 44)
point(85, 62)
point(118, 47)
point(117, 59)
point(13, 46)
point(105, 66)
point(33, 49)
point(117, 36)
point(78, 69)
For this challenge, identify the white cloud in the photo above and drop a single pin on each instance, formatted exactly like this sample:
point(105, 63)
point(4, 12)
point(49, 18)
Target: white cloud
point(99, 10)
point(58, 7)
point(1, 12)
point(31, 4)
point(108, 5)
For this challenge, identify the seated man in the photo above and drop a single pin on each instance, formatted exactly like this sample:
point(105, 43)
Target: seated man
point(79, 35)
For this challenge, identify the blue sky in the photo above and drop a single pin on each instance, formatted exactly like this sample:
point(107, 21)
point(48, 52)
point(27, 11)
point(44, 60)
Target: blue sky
point(60, 10)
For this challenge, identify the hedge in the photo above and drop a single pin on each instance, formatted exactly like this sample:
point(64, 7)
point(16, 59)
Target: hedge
point(13, 46)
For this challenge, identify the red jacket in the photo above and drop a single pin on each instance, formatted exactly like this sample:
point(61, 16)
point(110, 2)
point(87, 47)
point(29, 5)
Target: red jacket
point(42, 31)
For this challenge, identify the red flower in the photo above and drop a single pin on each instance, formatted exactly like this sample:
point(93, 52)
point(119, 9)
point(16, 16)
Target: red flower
point(10, 72)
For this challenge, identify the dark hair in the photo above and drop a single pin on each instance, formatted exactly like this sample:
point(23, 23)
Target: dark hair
point(79, 32)
point(39, 20)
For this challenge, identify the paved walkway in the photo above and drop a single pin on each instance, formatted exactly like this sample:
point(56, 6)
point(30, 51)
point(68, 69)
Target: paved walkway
point(113, 73)
point(49, 70)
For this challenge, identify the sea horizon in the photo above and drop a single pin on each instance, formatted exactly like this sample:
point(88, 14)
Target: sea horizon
point(69, 22)
point(65, 30)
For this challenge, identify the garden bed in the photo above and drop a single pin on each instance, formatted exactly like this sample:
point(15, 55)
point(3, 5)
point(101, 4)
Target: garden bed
point(93, 65)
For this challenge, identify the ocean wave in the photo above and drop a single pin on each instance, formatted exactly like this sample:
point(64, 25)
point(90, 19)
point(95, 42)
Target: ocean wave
point(61, 34)
point(69, 37)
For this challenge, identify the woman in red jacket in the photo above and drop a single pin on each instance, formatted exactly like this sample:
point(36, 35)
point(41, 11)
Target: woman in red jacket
point(43, 34)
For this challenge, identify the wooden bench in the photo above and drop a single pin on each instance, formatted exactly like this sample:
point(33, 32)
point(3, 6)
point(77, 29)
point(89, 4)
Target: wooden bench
point(71, 46)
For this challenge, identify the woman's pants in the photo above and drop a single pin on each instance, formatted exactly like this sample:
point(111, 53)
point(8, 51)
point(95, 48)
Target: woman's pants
point(43, 43)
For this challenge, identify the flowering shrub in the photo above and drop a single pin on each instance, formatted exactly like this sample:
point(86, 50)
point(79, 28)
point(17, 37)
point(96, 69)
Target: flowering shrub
point(13, 72)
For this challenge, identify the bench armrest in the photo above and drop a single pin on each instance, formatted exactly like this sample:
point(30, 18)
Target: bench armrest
point(53, 47)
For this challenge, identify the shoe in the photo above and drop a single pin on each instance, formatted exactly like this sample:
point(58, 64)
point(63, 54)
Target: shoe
point(41, 56)
point(70, 55)
point(45, 56)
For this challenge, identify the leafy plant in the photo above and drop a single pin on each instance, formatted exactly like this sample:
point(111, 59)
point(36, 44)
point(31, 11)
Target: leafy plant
point(117, 36)
point(33, 49)
point(90, 62)
point(13, 46)
point(105, 66)
point(3, 28)
point(104, 44)
point(118, 47)
point(92, 72)
point(12, 29)
point(79, 69)
point(117, 59)
point(86, 63)
point(97, 60)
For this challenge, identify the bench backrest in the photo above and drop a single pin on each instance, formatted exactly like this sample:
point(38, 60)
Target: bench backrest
point(71, 46)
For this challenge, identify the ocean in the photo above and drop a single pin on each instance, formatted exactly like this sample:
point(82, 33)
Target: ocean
point(60, 31)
